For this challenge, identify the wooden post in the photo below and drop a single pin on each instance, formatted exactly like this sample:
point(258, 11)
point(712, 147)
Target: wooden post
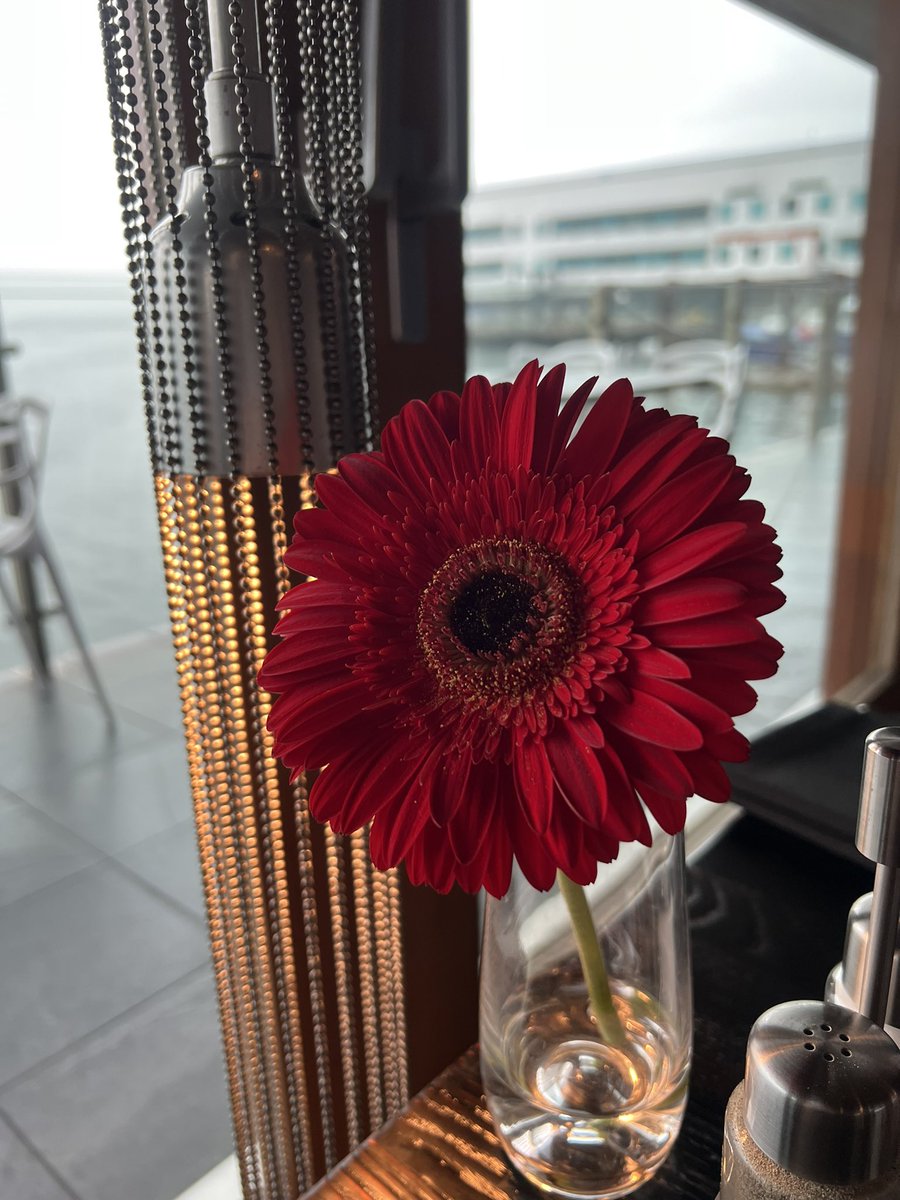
point(862, 659)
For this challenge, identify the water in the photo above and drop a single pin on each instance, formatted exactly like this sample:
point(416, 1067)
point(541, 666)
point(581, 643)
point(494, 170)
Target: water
point(578, 1117)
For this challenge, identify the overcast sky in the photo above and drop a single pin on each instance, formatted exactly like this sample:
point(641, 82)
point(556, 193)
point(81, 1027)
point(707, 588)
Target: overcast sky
point(557, 86)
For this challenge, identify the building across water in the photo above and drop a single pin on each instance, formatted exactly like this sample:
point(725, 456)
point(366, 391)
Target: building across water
point(751, 247)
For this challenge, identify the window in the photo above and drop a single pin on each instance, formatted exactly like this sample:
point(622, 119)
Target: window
point(824, 201)
point(618, 221)
point(756, 209)
point(650, 258)
point(489, 270)
point(754, 253)
point(789, 206)
point(726, 212)
point(484, 233)
point(849, 247)
point(787, 251)
point(859, 201)
point(723, 254)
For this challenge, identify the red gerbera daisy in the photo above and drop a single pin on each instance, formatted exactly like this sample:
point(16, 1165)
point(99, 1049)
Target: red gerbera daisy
point(514, 636)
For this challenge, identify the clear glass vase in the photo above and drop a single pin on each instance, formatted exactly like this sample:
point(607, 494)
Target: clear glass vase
point(577, 1114)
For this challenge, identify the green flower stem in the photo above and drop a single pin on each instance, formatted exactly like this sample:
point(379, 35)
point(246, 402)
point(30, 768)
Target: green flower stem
point(601, 1001)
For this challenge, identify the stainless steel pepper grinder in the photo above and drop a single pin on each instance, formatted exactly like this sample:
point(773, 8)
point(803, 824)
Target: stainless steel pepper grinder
point(866, 919)
point(818, 1114)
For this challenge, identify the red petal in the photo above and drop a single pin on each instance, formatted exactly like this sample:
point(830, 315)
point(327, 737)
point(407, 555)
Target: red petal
point(479, 426)
point(662, 769)
point(577, 773)
point(588, 729)
point(534, 783)
point(355, 514)
point(656, 431)
point(416, 448)
point(654, 661)
point(315, 593)
point(531, 854)
point(368, 478)
point(757, 661)
point(679, 503)
point(517, 425)
point(686, 599)
point(652, 720)
point(723, 687)
point(449, 786)
point(567, 421)
point(660, 471)
point(625, 818)
point(549, 398)
point(445, 406)
point(703, 713)
point(688, 553)
point(717, 630)
point(668, 811)
point(594, 446)
point(397, 826)
point(710, 780)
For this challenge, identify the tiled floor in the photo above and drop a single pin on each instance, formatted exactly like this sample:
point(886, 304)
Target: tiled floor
point(111, 1078)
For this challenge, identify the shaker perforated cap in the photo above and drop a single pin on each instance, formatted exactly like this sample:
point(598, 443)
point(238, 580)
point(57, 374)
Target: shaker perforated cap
point(822, 1092)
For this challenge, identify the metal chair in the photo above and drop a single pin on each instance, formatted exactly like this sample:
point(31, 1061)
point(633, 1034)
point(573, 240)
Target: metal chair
point(700, 361)
point(23, 444)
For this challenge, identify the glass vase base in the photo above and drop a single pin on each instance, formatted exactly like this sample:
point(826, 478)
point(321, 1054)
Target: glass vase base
point(585, 1119)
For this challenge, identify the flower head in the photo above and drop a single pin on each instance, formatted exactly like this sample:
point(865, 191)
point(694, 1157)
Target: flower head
point(515, 640)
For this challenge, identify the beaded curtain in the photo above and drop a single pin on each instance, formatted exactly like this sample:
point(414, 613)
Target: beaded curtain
point(238, 147)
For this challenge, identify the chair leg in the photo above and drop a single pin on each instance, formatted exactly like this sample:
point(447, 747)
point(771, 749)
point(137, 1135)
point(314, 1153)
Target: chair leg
point(66, 602)
point(22, 629)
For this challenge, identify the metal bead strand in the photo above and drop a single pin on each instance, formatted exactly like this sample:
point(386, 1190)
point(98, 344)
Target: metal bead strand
point(262, 748)
point(287, 161)
point(355, 221)
point(117, 79)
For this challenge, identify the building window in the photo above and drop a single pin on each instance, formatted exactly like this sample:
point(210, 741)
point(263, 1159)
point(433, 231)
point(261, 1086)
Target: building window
point(615, 222)
point(723, 254)
point(754, 253)
point(649, 258)
point(489, 270)
point(756, 209)
point(787, 251)
point(859, 201)
point(726, 212)
point(484, 233)
point(789, 206)
point(849, 247)
point(824, 202)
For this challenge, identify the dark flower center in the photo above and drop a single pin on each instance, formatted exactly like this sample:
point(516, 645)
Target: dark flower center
point(492, 611)
point(500, 621)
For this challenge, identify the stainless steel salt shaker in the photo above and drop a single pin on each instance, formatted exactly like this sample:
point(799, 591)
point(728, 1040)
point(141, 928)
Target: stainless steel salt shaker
point(818, 1114)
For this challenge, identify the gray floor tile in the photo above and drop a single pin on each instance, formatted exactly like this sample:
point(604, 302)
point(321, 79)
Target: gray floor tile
point(169, 861)
point(139, 1110)
point(123, 800)
point(46, 734)
point(80, 952)
point(35, 851)
point(22, 1175)
point(139, 675)
point(8, 801)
